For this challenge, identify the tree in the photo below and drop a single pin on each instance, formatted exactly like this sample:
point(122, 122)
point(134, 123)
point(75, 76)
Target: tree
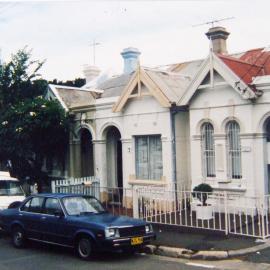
point(31, 128)
point(78, 82)
point(19, 79)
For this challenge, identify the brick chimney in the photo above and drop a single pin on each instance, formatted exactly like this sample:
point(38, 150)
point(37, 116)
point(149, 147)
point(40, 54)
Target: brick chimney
point(131, 59)
point(218, 35)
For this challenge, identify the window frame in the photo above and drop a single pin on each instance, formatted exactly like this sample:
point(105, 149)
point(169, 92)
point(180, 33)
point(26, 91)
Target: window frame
point(149, 169)
point(208, 150)
point(233, 150)
point(30, 202)
point(52, 198)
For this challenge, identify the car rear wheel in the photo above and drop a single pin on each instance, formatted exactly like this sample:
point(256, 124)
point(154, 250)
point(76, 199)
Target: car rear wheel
point(84, 248)
point(18, 237)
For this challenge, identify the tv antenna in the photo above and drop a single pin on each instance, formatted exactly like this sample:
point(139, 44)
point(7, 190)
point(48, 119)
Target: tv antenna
point(213, 22)
point(94, 44)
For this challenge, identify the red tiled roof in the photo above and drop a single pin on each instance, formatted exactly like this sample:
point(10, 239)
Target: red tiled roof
point(251, 64)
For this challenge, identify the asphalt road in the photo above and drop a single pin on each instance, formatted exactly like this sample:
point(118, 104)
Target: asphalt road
point(44, 257)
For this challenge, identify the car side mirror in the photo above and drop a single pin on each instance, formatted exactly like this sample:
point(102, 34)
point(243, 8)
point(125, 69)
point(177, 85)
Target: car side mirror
point(58, 213)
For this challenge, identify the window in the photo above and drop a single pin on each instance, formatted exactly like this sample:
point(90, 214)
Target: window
point(34, 205)
point(26, 206)
point(52, 205)
point(148, 151)
point(208, 150)
point(233, 150)
point(267, 130)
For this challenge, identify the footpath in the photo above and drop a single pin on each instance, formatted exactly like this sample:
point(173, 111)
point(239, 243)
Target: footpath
point(176, 242)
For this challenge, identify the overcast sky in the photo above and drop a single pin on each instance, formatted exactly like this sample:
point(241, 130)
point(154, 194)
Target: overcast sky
point(61, 31)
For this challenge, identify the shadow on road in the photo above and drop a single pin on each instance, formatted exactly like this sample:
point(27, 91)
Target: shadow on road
point(56, 251)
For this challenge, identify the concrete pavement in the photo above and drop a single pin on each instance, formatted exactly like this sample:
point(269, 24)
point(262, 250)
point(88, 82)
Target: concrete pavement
point(177, 242)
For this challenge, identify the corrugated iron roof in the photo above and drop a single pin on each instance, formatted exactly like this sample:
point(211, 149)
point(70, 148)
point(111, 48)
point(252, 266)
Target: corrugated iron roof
point(249, 65)
point(114, 86)
point(75, 97)
point(172, 85)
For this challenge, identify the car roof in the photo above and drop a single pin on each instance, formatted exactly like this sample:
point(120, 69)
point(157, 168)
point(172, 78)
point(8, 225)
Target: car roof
point(5, 176)
point(60, 195)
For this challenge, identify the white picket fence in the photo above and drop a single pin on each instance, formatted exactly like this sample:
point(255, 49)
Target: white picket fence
point(84, 185)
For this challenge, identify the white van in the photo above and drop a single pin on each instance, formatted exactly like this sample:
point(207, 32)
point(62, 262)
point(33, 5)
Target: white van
point(10, 190)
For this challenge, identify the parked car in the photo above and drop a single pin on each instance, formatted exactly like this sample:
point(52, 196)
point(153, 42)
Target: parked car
point(76, 221)
point(10, 190)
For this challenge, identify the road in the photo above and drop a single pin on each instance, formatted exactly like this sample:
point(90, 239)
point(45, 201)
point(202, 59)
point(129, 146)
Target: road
point(43, 257)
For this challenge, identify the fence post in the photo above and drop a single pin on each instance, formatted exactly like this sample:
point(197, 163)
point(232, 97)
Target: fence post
point(135, 202)
point(53, 186)
point(226, 213)
point(262, 208)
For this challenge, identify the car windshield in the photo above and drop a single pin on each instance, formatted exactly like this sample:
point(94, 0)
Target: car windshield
point(81, 205)
point(10, 188)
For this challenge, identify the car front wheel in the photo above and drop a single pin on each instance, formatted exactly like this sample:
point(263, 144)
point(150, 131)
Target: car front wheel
point(18, 237)
point(84, 248)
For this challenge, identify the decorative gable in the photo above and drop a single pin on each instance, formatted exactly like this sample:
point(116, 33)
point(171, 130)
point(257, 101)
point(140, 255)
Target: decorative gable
point(140, 85)
point(214, 72)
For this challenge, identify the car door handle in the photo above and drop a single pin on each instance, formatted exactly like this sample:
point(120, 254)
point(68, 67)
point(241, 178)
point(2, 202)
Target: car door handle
point(43, 218)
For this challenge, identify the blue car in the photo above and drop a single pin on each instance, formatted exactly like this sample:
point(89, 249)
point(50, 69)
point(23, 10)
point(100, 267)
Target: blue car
point(76, 221)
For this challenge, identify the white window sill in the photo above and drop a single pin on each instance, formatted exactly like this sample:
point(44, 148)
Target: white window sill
point(147, 182)
point(230, 188)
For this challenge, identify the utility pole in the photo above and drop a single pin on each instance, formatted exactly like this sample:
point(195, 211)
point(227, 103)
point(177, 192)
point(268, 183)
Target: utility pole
point(94, 44)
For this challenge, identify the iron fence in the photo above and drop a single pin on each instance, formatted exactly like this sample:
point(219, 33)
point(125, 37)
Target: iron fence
point(219, 211)
point(230, 213)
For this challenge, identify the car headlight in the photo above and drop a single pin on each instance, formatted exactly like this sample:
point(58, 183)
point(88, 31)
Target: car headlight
point(148, 228)
point(111, 232)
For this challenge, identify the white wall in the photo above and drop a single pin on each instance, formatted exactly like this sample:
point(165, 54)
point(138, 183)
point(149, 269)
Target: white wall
point(182, 141)
point(142, 116)
point(219, 105)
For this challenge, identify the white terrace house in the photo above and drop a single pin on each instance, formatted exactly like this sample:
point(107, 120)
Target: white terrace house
point(199, 121)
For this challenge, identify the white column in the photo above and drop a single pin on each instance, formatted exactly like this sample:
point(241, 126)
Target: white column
point(128, 160)
point(260, 173)
point(167, 159)
point(75, 158)
point(100, 161)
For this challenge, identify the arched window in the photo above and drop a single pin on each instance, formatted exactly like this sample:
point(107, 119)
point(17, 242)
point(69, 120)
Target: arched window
point(233, 150)
point(208, 150)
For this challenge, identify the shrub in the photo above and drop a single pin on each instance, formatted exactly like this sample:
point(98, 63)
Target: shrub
point(201, 192)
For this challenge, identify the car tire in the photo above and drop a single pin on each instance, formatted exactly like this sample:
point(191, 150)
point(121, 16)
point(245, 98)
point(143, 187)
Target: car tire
point(18, 237)
point(85, 247)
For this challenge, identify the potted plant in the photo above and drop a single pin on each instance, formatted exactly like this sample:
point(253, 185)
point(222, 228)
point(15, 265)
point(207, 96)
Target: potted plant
point(203, 210)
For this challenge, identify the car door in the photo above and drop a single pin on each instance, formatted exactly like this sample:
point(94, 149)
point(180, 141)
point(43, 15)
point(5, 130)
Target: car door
point(31, 216)
point(55, 225)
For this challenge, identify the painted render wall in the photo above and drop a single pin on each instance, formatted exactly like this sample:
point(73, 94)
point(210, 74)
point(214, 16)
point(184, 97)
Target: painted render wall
point(219, 105)
point(141, 116)
point(182, 141)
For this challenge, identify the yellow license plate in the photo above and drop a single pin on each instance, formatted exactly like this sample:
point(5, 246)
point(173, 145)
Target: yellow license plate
point(136, 241)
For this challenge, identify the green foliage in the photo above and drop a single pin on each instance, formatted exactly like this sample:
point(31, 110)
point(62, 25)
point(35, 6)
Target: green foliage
point(78, 82)
point(201, 192)
point(31, 128)
point(19, 79)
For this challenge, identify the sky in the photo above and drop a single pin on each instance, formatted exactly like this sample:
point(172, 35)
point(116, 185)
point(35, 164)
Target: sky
point(61, 32)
